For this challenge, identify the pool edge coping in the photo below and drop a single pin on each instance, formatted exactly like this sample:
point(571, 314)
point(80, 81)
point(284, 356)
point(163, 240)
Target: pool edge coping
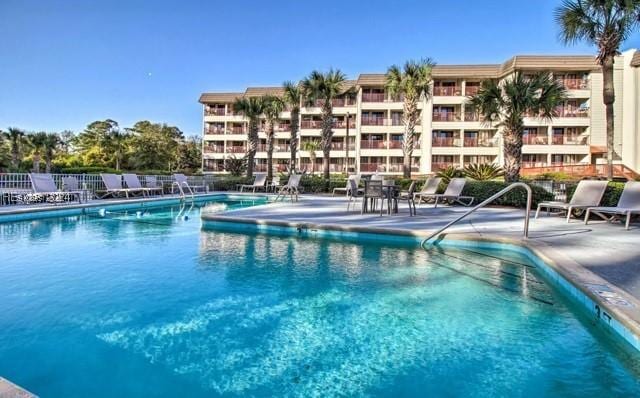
point(570, 271)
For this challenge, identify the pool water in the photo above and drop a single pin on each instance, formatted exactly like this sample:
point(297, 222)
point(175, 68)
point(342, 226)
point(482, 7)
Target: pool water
point(148, 304)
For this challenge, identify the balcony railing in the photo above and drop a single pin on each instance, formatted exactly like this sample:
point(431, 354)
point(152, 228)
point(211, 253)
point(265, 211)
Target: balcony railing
point(575, 84)
point(373, 167)
point(532, 139)
point(399, 167)
point(339, 146)
point(237, 130)
point(395, 144)
point(374, 121)
point(472, 117)
point(373, 144)
point(236, 149)
point(213, 149)
point(570, 140)
point(577, 112)
point(342, 124)
point(213, 167)
point(471, 90)
point(373, 97)
point(276, 148)
point(214, 112)
point(436, 166)
point(478, 142)
point(529, 164)
point(283, 127)
point(444, 141)
point(311, 124)
point(439, 116)
point(214, 130)
point(446, 91)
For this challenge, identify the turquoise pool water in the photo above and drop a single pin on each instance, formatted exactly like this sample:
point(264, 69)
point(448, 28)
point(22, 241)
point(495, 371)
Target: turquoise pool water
point(150, 305)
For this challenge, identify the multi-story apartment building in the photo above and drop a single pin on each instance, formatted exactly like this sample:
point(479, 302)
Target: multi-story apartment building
point(368, 123)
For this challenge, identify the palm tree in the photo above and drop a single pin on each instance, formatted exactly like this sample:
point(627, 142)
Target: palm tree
point(37, 141)
point(50, 146)
point(293, 98)
point(605, 24)
point(312, 147)
point(273, 106)
point(507, 103)
point(412, 81)
point(16, 141)
point(251, 108)
point(115, 141)
point(324, 87)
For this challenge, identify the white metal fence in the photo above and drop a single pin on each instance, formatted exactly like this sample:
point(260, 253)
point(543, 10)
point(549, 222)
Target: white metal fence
point(15, 183)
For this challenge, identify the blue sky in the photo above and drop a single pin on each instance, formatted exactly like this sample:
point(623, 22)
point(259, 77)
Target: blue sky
point(64, 64)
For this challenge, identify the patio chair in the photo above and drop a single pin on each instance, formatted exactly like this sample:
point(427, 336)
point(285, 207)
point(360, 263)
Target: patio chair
point(410, 196)
point(43, 184)
point(588, 194)
point(258, 183)
point(133, 182)
point(152, 182)
point(353, 192)
point(275, 184)
point(628, 204)
point(453, 193)
point(347, 188)
point(71, 184)
point(372, 193)
point(180, 181)
point(113, 187)
point(290, 188)
point(429, 188)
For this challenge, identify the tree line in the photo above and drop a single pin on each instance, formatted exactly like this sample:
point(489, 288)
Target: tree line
point(503, 104)
point(102, 145)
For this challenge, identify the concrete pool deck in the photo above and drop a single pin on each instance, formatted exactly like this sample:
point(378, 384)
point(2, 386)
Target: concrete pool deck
point(600, 258)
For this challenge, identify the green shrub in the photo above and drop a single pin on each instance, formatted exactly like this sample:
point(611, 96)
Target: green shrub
point(483, 172)
point(482, 190)
point(88, 170)
point(228, 183)
point(449, 173)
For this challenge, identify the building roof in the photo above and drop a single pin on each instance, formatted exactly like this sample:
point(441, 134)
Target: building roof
point(635, 61)
point(479, 71)
point(549, 62)
point(218, 97)
point(260, 91)
point(371, 79)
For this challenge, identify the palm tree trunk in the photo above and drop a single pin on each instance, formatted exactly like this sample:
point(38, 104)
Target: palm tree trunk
point(252, 146)
point(47, 164)
point(270, 132)
point(293, 141)
point(36, 162)
point(410, 119)
point(327, 136)
point(512, 153)
point(608, 96)
point(15, 154)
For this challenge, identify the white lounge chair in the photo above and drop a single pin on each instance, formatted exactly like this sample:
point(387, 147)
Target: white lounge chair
point(290, 188)
point(452, 193)
point(43, 184)
point(133, 182)
point(71, 184)
point(429, 188)
point(113, 187)
point(588, 194)
point(628, 204)
point(347, 188)
point(259, 182)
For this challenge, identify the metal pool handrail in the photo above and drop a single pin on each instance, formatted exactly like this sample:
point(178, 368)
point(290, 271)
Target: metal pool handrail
point(486, 202)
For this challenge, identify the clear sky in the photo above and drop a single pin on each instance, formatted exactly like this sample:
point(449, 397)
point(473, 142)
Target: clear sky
point(66, 63)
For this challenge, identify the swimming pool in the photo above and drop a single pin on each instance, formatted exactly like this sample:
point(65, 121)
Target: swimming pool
point(148, 304)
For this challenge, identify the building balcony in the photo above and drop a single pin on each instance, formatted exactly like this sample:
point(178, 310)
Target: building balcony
point(473, 117)
point(446, 116)
point(311, 124)
point(529, 139)
point(373, 167)
point(214, 112)
point(236, 149)
point(447, 91)
point(374, 121)
point(478, 142)
point(437, 166)
point(577, 112)
point(341, 102)
point(281, 127)
point(276, 148)
point(213, 149)
point(214, 130)
point(570, 140)
point(342, 124)
point(237, 130)
point(399, 167)
point(373, 144)
point(339, 146)
point(528, 165)
point(373, 97)
point(444, 142)
point(471, 90)
point(575, 84)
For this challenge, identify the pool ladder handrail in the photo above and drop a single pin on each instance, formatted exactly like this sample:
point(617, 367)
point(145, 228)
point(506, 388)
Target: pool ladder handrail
point(486, 202)
point(183, 196)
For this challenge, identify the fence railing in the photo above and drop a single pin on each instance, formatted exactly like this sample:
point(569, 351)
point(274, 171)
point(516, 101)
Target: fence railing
point(20, 183)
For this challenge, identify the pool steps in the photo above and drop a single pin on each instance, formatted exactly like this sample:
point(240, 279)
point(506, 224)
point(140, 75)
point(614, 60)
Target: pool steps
point(11, 390)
